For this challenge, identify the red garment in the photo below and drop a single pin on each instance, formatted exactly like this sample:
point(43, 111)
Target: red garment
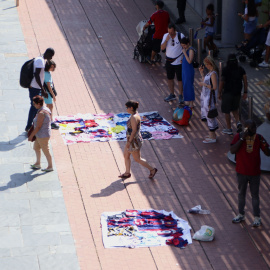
point(161, 19)
point(249, 163)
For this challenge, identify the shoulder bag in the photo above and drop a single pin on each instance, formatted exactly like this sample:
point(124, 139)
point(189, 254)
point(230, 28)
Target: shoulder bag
point(213, 112)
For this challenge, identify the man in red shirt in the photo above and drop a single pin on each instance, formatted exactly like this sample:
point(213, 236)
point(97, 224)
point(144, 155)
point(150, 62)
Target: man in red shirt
point(246, 147)
point(161, 19)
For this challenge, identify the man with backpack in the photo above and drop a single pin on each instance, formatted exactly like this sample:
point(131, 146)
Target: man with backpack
point(174, 55)
point(36, 85)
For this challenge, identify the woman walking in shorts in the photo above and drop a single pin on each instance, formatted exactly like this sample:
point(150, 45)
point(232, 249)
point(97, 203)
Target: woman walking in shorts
point(134, 141)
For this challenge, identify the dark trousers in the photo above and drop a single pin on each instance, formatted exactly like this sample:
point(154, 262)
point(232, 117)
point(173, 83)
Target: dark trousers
point(254, 185)
point(33, 111)
point(181, 6)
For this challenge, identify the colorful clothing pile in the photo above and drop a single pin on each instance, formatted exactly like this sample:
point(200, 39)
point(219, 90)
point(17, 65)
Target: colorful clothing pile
point(144, 228)
point(112, 127)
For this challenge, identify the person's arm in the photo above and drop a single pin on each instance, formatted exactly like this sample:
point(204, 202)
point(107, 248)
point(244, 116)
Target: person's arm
point(245, 87)
point(133, 123)
point(37, 77)
point(236, 146)
point(146, 26)
point(190, 57)
point(220, 89)
point(40, 119)
point(51, 91)
point(264, 146)
point(164, 42)
point(264, 25)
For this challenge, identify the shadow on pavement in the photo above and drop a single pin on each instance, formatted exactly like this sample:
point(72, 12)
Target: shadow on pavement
point(19, 179)
point(9, 145)
point(116, 186)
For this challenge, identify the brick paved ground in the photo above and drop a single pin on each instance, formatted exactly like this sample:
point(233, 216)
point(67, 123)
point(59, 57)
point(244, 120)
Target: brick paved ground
point(98, 75)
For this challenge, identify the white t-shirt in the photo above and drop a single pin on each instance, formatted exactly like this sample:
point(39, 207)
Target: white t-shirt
point(250, 19)
point(39, 63)
point(174, 51)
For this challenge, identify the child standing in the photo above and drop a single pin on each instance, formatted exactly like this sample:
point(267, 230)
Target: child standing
point(209, 24)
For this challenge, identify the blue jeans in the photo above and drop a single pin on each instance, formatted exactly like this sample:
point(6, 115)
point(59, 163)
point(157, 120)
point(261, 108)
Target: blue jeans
point(33, 111)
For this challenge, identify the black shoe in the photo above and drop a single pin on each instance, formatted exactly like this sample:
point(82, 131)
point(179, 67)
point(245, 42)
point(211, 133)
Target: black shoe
point(54, 126)
point(179, 21)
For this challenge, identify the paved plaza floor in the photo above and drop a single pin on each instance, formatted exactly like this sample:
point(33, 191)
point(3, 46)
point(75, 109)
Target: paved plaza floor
point(51, 221)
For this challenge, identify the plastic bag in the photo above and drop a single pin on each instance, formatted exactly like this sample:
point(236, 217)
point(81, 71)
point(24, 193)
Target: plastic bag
point(206, 233)
point(198, 210)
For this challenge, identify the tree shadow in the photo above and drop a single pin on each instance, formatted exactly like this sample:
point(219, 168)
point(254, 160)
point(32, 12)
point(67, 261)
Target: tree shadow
point(19, 179)
point(115, 186)
point(9, 145)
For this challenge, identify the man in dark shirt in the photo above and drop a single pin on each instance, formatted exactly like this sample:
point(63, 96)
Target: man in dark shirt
point(161, 19)
point(246, 147)
point(230, 87)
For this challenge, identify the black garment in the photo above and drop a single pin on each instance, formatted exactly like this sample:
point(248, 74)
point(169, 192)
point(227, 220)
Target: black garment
point(181, 6)
point(233, 80)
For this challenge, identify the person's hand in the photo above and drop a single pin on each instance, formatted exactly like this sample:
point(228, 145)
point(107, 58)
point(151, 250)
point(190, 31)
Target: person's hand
point(168, 38)
point(184, 51)
point(44, 93)
point(244, 97)
point(198, 29)
point(239, 14)
point(201, 84)
point(30, 138)
point(244, 134)
point(54, 99)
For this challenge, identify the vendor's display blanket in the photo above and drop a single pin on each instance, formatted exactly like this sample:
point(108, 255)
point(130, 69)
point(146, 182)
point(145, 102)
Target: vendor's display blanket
point(144, 228)
point(112, 127)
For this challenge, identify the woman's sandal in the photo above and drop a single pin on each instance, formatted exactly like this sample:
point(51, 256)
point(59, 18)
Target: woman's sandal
point(125, 175)
point(35, 167)
point(152, 174)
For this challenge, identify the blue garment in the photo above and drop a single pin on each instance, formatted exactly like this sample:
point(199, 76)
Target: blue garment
point(48, 78)
point(32, 111)
point(188, 79)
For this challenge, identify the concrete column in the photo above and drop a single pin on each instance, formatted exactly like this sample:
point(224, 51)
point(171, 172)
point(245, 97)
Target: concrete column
point(232, 25)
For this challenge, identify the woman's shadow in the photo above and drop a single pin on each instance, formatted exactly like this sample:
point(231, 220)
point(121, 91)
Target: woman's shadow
point(115, 186)
point(16, 142)
point(19, 179)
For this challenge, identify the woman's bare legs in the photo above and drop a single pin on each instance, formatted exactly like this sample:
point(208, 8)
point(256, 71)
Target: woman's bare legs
point(137, 157)
point(50, 106)
point(127, 160)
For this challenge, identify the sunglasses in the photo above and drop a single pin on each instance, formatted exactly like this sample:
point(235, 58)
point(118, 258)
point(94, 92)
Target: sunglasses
point(172, 42)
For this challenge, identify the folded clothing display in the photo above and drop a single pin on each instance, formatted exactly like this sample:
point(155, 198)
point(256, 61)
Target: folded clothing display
point(144, 228)
point(112, 127)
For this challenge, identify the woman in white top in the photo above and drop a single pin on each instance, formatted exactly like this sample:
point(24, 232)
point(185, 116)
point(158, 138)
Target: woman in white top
point(209, 83)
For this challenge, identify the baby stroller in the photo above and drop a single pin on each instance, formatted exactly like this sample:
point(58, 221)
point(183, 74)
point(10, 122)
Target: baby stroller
point(144, 44)
point(253, 48)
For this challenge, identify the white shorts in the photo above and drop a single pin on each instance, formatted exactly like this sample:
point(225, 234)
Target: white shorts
point(267, 42)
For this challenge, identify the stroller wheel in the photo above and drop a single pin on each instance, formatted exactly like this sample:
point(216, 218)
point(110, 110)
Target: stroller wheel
point(141, 58)
point(242, 58)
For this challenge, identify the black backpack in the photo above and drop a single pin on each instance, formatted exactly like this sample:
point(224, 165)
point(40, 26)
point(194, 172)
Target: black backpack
point(27, 73)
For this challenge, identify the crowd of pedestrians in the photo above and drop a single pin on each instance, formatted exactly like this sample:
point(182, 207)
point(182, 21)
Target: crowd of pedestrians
point(231, 88)
point(180, 64)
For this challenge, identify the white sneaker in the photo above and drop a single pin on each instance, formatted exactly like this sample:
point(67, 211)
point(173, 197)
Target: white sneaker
point(263, 64)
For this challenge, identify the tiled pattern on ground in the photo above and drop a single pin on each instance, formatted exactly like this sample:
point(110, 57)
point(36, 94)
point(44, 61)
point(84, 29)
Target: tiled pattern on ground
point(94, 42)
point(34, 227)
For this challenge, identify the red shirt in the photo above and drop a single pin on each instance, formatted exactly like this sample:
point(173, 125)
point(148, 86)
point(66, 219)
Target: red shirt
point(249, 163)
point(161, 19)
